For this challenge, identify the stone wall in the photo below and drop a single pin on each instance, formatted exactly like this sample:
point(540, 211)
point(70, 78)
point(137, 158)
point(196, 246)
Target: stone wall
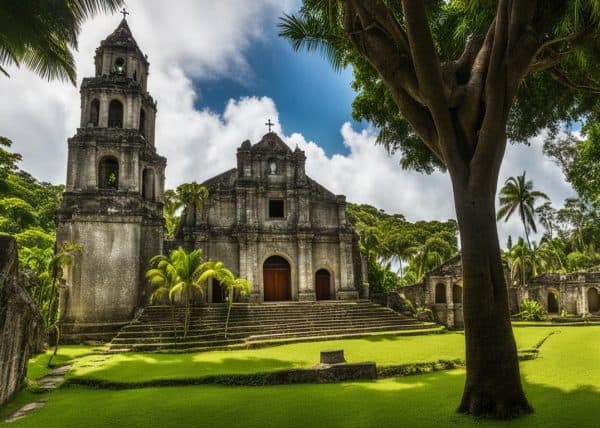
point(20, 323)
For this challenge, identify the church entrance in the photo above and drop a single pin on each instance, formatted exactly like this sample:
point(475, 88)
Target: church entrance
point(323, 285)
point(593, 300)
point(277, 279)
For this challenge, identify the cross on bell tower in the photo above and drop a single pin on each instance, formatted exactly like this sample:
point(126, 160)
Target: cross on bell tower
point(269, 124)
point(124, 13)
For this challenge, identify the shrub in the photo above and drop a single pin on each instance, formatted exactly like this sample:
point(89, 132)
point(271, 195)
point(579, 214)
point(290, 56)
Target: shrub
point(531, 310)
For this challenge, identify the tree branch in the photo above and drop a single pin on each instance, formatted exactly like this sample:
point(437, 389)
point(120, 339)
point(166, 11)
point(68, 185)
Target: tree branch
point(561, 77)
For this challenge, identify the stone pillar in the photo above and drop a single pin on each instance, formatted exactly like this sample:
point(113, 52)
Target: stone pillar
point(449, 303)
point(584, 301)
point(252, 266)
point(103, 119)
point(306, 286)
point(346, 289)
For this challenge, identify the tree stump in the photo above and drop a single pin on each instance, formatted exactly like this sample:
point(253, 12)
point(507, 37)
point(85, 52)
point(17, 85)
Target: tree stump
point(334, 356)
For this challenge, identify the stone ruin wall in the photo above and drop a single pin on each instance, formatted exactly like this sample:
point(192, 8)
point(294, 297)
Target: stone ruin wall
point(21, 330)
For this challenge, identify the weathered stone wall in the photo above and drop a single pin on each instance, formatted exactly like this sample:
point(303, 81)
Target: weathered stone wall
point(104, 280)
point(20, 323)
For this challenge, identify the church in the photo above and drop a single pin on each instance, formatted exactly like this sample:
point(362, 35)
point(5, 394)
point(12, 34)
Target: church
point(277, 227)
point(266, 219)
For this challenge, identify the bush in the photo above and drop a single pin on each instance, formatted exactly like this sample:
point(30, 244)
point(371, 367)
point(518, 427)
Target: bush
point(531, 310)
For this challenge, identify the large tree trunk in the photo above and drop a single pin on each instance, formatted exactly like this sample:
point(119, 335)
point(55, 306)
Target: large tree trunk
point(493, 384)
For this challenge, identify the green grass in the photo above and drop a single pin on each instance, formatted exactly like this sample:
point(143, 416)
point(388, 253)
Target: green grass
point(38, 365)
point(563, 385)
point(383, 349)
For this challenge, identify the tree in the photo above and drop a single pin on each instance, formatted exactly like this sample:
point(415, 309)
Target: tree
point(192, 196)
point(517, 194)
point(229, 282)
point(182, 271)
point(579, 160)
point(447, 82)
point(42, 34)
point(170, 206)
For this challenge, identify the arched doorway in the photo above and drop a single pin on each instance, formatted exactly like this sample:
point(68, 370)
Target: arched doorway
point(323, 284)
point(552, 302)
point(277, 279)
point(218, 292)
point(440, 293)
point(593, 300)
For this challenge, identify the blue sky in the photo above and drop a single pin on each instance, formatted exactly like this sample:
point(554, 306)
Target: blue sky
point(311, 97)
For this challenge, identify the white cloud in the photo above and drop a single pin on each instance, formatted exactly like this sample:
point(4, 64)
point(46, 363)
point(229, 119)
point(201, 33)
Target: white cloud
point(189, 40)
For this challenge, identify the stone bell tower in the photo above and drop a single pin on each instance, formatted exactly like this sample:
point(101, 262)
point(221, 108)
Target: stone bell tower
point(112, 205)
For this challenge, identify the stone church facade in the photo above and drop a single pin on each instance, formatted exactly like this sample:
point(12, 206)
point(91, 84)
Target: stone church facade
point(275, 226)
point(266, 220)
point(112, 205)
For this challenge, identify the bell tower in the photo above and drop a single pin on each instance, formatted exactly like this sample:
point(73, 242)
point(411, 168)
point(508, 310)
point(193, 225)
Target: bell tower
point(112, 204)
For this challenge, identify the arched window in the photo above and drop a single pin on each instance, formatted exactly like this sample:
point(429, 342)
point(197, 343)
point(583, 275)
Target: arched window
point(108, 173)
point(143, 122)
point(148, 184)
point(94, 112)
point(440, 293)
point(456, 294)
point(135, 75)
point(115, 114)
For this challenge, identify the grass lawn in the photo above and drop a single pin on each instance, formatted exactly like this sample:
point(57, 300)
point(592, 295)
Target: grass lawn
point(563, 384)
point(38, 365)
point(384, 350)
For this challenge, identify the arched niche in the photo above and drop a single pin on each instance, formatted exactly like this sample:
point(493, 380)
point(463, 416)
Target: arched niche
point(94, 115)
point(456, 293)
point(108, 173)
point(593, 300)
point(148, 184)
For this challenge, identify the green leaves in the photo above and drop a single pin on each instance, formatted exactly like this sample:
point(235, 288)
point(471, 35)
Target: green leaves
point(41, 34)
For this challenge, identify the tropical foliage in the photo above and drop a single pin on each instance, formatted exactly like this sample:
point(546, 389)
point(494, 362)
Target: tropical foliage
point(184, 274)
point(183, 203)
point(397, 251)
point(531, 310)
point(178, 275)
point(42, 34)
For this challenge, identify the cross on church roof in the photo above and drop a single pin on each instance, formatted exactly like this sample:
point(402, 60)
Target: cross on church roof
point(125, 13)
point(269, 124)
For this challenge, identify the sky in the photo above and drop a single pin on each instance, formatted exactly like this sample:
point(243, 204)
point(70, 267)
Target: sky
point(219, 72)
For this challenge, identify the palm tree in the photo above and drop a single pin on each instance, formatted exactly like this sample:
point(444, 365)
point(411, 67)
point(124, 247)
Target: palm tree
point(517, 194)
point(171, 204)
point(192, 196)
point(431, 254)
point(42, 34)
point(228, 281)
point(180, 272)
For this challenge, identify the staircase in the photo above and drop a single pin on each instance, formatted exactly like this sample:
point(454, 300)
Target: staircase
point(252, 325)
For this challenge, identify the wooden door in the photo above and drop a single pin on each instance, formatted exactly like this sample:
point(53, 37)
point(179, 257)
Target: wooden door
point(277, 280)
point(323, 285)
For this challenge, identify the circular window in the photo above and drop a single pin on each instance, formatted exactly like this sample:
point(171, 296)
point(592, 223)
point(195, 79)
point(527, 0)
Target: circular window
point(120, 66)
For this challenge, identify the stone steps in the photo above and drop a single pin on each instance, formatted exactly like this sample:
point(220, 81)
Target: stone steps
point(252, 324)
